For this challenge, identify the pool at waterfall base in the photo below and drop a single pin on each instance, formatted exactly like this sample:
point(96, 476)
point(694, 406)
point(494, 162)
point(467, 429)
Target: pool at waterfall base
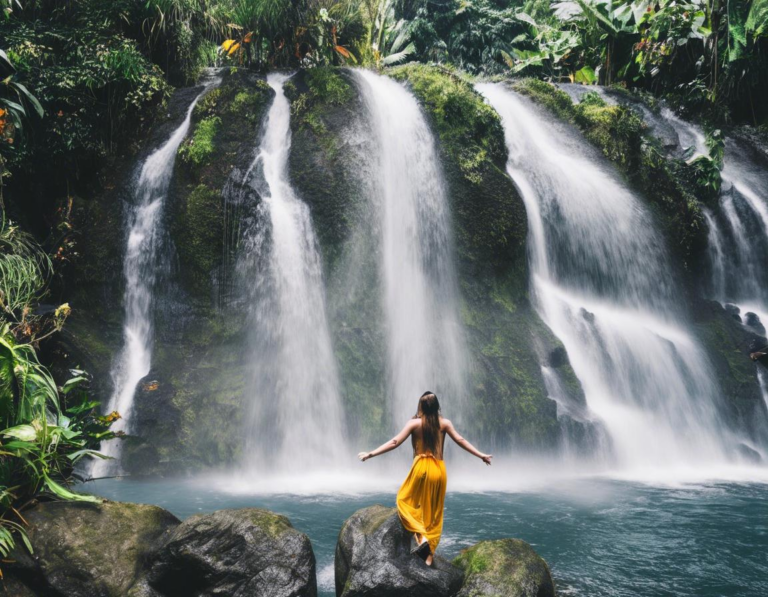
point(600, 536)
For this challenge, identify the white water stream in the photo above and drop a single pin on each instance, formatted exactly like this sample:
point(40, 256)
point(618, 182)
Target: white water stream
point(426, 348)
point(295, 418)
point(143, 264)
point(601, 282)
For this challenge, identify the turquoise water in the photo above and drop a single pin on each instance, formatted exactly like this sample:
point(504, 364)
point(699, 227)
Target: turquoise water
point(600, 537)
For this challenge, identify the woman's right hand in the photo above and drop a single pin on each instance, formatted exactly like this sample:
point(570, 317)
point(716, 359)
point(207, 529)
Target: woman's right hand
point(486, 458)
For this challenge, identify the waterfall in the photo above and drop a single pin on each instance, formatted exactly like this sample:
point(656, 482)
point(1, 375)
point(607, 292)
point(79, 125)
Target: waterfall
point(738, 227)
point(601, 282)
point(420, 292)
point(295, 416)
point(144, 262)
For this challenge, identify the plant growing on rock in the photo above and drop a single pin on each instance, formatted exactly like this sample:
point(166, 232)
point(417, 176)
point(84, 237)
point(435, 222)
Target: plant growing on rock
point(44, 429)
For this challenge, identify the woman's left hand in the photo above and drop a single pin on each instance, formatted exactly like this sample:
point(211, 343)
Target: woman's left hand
point(363, 456)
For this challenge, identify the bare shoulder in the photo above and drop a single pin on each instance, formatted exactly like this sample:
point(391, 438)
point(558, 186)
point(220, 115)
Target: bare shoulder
point(445, 423)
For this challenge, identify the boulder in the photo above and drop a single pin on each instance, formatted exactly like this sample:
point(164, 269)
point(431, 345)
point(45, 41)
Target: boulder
point(235, 553)
point(90, 550)
point(504, 568)
point(373, 560)
point(753, 320)
point(12, 587)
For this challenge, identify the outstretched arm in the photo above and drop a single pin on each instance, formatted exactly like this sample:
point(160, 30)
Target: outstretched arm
point(451, 430)
point(391, 444)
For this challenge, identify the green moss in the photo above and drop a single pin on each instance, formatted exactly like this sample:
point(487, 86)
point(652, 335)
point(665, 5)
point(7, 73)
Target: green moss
point(504, 567)
point(201, 147)
point(374, 517)
point(275, 525)
point(545, 94)
point(328, 86)
point(250, 104)
point(208, 104)
point(198, 234)
point(468, 127)
point(472, 562)
point(616, 130)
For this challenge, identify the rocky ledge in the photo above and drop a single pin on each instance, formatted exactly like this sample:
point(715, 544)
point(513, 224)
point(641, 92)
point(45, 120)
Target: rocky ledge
point(130, 550)
point(373, 560)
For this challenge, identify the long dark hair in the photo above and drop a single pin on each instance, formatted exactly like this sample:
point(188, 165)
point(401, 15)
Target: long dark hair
point(429, 413)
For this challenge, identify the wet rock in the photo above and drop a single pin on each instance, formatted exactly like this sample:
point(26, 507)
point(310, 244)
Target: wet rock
point(748, 454)
point(90, 550)
point(235, 553)
point(558, 357)
point(504, 568)
point(12, 587)
point(373, 560)
point(733, 311)
point(753, 321)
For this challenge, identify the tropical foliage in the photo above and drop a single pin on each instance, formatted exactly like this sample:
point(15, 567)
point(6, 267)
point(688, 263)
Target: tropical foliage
point(45, 430)
point(708, 56)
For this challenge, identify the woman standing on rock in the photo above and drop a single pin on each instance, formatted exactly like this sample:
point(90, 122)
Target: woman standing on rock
point(421, 497)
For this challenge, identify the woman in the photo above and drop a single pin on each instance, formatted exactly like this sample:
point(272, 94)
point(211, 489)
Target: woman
point(420, 499)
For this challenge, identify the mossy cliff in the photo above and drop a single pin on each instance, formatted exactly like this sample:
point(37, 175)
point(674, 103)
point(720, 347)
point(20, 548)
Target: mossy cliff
point(328, 148)
point(507, 341)
point(186, 407)
point(192, 412)
point(669, 186)
point(620, 133)
point(188, 410)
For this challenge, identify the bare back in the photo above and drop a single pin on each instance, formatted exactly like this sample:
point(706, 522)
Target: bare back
point(417, 438)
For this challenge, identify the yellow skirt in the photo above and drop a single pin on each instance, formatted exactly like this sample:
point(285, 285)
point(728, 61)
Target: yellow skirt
point(421, 498)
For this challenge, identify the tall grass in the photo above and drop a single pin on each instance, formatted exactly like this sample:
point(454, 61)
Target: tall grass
point(24, 270)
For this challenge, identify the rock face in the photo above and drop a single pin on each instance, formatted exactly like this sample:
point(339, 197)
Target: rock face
point(130, 550)
point(504, 568)
point(373, 560)
point(91, 550)
point(238, 553)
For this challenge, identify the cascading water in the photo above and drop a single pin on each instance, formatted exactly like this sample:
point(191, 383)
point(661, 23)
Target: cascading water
point(601, 282)
point(143, 264)
point(738, 227)
point(296, 417)
point(425, 340)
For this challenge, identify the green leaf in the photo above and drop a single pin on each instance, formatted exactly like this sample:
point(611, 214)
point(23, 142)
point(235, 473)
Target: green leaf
point(757, 20)
point(73, 383)
point(66, 494)
point(26, 541)
point(521, 16)
point(399, 56)
point(25, 433)
point(30, 98)
point(20, 445)
point(75, 456)
point(737, 35)
point(585, 76)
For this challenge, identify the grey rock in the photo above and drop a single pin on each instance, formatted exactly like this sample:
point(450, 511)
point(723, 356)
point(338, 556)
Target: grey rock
point(753, 320)
point(235, 553)
point(12, 587)
point(373, 560)
point(504, 568)
point(90, 550)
